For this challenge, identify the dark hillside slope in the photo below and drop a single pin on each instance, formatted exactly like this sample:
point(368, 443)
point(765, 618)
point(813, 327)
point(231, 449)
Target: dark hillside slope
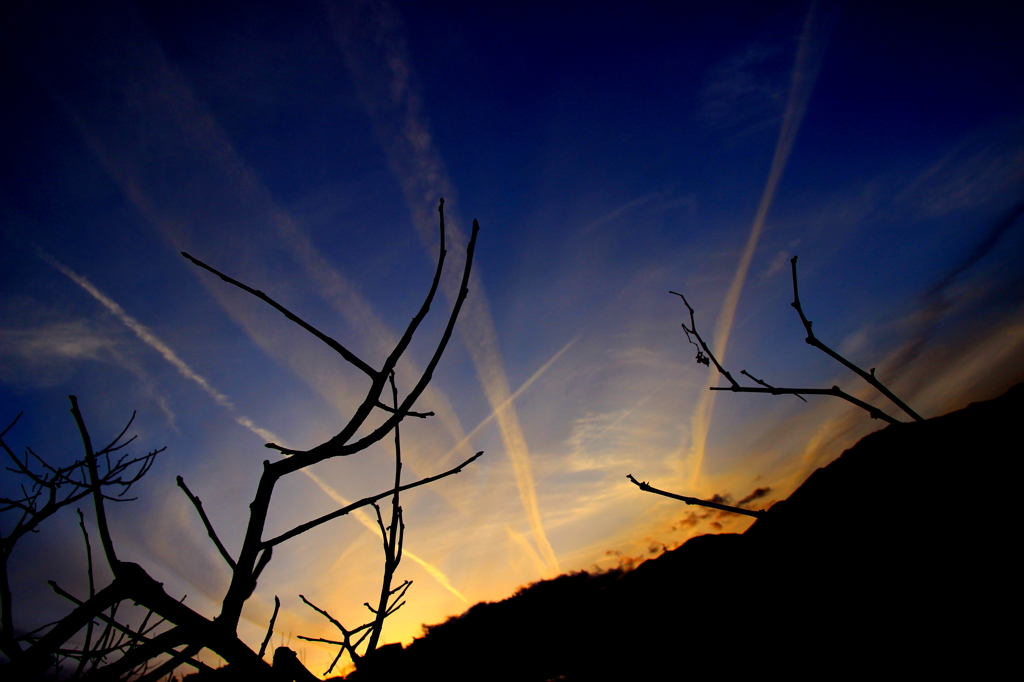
point(893, 560)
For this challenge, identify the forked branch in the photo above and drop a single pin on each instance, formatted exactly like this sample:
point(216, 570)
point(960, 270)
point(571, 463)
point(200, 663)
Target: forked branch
point(706, 356)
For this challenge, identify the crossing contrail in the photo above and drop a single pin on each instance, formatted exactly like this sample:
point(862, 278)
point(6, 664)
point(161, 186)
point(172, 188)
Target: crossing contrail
point(370, 38)
point(813, 40)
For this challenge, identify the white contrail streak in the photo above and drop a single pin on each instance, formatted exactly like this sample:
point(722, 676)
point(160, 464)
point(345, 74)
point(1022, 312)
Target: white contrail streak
point(150, 339)
point(813, 40)
point(508, 401)
point(375, 50)
point(141, 330)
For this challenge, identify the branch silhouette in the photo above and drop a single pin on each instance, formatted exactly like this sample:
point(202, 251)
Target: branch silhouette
point(646, 487)
point(171, 633)
point(706, 356)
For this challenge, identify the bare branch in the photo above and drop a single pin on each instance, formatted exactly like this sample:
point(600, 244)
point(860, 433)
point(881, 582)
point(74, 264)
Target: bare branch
point(337, 347)
point(178, 658)
point(94, 479)
point(298, 530)
point(401, 590)
point(704, 353)
point(346, 644)
point(873, 411)
point(646, 487)
point(323, 612)
point(421, 415)
point(265, 557)
point(36, 658)
point(198, 504)
point(11, 425)
point(339, 446)
point(92, 587)
point(242, 584)
point(113, 444)
point(270, 628)
point(765, 384)
point(866, 376)
point(706, 356)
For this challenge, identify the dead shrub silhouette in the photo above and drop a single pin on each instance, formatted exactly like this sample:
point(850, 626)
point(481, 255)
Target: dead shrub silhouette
point(706, 357)
point(171, 628)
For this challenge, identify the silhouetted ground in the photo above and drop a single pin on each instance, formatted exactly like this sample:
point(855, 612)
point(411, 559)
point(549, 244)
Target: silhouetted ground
point(893, 561)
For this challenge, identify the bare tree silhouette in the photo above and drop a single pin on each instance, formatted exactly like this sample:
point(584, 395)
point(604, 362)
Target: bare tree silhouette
point(183, 632)
point(45, 490)
point(706, 357)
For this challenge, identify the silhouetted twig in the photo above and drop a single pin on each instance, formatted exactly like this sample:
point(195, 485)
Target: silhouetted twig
point(99, 472)
point(866, 376)
point(366, 501)
point(705, 356)
point(270, 628)
point(198, 504)
point(47, 490)
point(646, 487)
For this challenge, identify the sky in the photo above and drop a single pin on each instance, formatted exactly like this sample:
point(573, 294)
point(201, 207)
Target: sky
point(611, 153)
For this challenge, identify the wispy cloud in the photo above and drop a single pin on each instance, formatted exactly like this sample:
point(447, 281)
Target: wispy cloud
point(374, 48)
point(813, 40)
point(150, 339)
point(72, 339)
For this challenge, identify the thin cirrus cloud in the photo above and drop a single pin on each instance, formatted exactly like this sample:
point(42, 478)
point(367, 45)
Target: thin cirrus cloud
point(378, 59)
point(811, 50)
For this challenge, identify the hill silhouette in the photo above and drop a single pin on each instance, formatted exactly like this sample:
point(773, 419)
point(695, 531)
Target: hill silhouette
point(895, 559)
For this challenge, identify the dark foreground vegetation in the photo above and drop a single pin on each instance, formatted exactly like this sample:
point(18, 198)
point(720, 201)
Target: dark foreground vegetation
point(892, 561)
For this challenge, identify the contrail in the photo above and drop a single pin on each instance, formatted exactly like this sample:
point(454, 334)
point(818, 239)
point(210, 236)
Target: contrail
point(524, 545)
point(529, 382)
point(141, 330)
point(370, 39)
point(150, 339)
point(813, 40)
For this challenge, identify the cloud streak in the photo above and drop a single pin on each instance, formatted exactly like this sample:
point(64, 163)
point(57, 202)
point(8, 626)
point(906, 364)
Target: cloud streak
point(813, 40)
point(140, 330)
point(374, 48)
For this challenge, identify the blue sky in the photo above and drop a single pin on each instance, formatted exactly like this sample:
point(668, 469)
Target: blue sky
point(610, 152)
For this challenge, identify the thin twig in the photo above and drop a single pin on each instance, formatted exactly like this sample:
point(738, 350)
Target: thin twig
point(646, 487)
point(270, 628)
point(92, 588)
point(341, 350)
point(362, 503)
point(198, 504)
point(766, 384)
point(866, 376)
point(94, 478)
point(706, 355)
point(421, 415)
point(872, 411)
point(184, 656)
